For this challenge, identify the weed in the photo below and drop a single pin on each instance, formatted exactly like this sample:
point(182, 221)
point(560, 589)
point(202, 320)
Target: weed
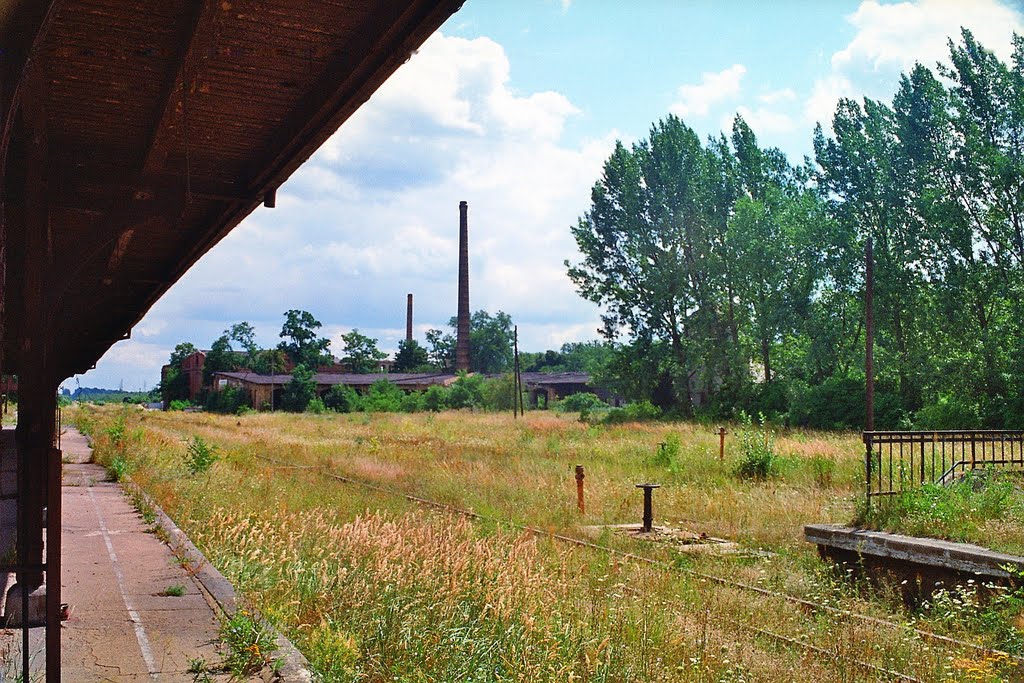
point(667, 455)
point(249, 644)
point(758, 459)
point(119, 468)
point(199, 455)
point(200, 671)
point(173, 591)
point(824, 469)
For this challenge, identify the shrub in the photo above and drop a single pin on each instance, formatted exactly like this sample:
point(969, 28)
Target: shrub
point(383, 397)
point(839, 403)
point(412, 402)
point(316, 406)
point(435, 398)
point(119, 468)
point(498, 393)
point(639, 411)
point(228, 400)
point(342, 398)
point(949, 412)
point(667, 455)
point(178, 404)
point(578, 403)
point(758, 460)
point(465, 392)
point(199, 455)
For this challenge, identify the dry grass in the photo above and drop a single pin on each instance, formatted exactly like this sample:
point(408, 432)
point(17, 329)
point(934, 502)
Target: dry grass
point(373, 588)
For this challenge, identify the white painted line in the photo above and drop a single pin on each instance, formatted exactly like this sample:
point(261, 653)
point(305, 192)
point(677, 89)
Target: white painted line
point(140, 631)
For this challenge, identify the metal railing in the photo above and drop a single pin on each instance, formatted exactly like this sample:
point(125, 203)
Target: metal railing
point(895, 462)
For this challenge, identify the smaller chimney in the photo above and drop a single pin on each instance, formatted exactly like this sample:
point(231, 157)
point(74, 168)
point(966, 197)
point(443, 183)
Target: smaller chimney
point(408, 319)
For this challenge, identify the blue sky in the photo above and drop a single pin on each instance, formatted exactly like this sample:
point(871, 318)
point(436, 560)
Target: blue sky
point(513, 107)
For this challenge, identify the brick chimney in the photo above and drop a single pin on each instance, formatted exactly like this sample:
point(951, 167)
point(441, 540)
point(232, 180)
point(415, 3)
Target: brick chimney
point(462, 328)
point(408, 319)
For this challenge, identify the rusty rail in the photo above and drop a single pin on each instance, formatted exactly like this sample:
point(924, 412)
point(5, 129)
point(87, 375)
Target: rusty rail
point(895, 462)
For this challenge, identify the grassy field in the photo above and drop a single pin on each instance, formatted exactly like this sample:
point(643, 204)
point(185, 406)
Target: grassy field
point(374, 587)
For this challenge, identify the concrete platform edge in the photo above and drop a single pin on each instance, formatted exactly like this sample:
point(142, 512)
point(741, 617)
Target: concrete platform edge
point(295, 667)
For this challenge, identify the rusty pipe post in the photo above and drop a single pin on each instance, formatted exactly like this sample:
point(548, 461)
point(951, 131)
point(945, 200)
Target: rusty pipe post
point(580, 505)
point(721, 443)
point(648, 505)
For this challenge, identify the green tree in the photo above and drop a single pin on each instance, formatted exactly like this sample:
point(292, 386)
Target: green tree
point(361, 353)
point(220, 358)
point(245, 335)
point(174, 384)
point(442, 349)
point(299, 391)
point(301, 343)
point(490, 341)
point(411, 357)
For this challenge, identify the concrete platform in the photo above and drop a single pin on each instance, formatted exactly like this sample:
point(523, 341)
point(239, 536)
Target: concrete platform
point(122, 627)
point(964, 558)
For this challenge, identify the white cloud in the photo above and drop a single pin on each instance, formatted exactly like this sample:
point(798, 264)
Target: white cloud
point(697, 100)
point(890, 38)
point(764, 121)
point(777, 96)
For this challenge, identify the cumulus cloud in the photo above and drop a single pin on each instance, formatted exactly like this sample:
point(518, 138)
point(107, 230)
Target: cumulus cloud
point(714, 87)
point(373, 215)
point(890, 38)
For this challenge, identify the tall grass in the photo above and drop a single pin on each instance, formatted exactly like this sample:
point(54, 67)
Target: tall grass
point(372, 588)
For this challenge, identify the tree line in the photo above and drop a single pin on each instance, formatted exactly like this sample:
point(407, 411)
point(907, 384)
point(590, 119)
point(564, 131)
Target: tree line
point(730, 278)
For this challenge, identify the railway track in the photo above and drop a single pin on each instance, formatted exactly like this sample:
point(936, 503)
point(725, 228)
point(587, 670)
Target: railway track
point(808, 606)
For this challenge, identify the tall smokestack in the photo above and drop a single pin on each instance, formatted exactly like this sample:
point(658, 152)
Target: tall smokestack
point(462, 328)
point(408, 319)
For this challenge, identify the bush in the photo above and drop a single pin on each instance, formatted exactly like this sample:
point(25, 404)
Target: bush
point(119, 468)
point(342, 398)
point(639, 411)
point(228, 400)
point(498, 393)
point(383, 397)
point(178, 404)
point(466, 391)
point(578, 403)
point(435, 398)
point(839, 403)
point(316, 406)
point(758, 460)
point(949, 412)
point(412, 402)
point(199, 455)
point(667, 455)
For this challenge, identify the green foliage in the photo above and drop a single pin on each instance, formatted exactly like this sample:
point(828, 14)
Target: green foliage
point(758, 459)
point(638, 411)
point(175, 590)
point(228, 400)
point(949, 412)
point(249, 644)
point(382, 397)
point(220, 358)
point(465, 392)
point(174, 383)
point(316, 406)
point(199, 455)
point(955, 512)
point(361, 353)
point(299, 391)
point(442, 349)
point(498, 393)
point(581, 402)
point(412, 402)
point(435, 398)
point(411, 357)
point(342, 398)
point(119, 468)
point(179, 404)
point(667, 455)
point(490, 342)
point(301, 342)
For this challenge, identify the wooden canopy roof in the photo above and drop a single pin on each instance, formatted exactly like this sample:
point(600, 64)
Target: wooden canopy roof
point(137, 133)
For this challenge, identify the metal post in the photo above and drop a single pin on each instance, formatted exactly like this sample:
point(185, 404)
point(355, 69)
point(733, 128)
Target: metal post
point(648, 523)
point(579, 490)
point(869, 342)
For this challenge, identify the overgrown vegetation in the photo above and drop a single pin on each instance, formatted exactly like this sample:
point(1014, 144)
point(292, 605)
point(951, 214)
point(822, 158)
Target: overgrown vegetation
point(372, 587)
point(966, 510)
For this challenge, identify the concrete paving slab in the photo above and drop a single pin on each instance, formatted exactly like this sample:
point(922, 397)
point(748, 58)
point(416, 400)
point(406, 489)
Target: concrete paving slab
point(120, 627)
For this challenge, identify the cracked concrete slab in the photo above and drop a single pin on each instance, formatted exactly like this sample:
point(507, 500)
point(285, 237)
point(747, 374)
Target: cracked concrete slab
point(123, 626)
